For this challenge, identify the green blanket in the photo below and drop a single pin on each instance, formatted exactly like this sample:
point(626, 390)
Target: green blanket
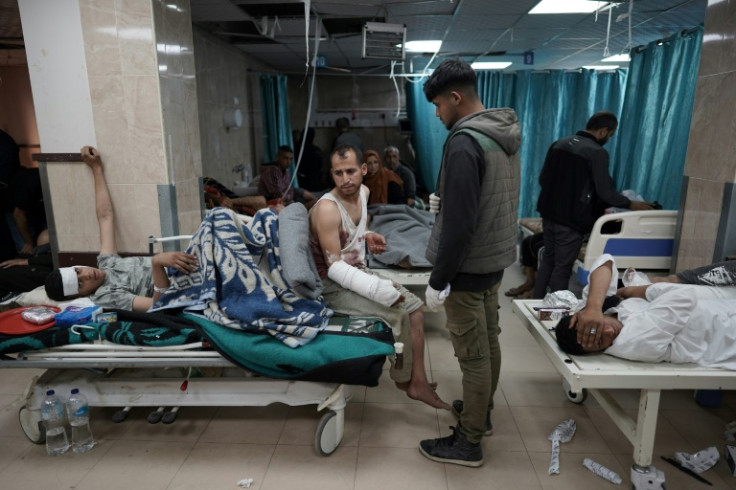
point(350, 351)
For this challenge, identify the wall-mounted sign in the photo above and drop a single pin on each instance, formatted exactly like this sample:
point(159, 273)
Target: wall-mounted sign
point(528, 57)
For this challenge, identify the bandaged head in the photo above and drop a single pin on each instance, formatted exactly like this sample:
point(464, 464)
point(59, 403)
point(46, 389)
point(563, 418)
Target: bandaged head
point(69, 281)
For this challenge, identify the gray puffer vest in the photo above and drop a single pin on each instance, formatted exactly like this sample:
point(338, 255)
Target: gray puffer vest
point(493, 246)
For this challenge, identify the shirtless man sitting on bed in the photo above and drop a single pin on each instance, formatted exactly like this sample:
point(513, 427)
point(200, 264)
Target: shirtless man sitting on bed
point(660, 322)
point(131, 283)
point(338, 236)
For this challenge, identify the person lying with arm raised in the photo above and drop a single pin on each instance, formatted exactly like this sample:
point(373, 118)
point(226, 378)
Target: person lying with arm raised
point(131, 283)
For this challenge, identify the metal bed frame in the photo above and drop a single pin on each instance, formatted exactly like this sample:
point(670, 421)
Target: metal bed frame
point(113, 375)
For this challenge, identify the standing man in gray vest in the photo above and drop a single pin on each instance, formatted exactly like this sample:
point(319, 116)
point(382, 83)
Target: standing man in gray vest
point(472, 242)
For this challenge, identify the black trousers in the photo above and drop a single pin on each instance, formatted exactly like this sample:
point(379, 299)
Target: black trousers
point(22, 278)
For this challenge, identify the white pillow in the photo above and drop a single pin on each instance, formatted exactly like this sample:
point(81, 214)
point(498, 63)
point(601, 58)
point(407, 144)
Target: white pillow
point(38, 297)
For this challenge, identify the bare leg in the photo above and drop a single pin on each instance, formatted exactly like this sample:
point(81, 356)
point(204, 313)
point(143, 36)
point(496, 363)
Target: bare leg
point(419, 388)
point(528, 285)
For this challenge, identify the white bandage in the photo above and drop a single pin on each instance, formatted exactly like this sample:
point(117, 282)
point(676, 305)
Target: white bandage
point(367, 285)
point(434, 203)
point(69, 282)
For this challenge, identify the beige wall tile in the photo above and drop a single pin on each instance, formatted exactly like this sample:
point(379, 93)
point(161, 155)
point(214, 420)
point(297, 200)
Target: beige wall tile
point(712, 141)
point(222, 74)
point(101, 45)
point(719, 41)
point(701, 219)
point(137, 45)
point(141, 217)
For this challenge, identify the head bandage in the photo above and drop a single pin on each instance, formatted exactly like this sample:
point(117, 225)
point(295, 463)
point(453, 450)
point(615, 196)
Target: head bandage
point(69, 281)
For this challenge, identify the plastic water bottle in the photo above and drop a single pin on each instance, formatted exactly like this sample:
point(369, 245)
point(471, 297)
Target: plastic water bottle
point(52, 413)
point(78, 411)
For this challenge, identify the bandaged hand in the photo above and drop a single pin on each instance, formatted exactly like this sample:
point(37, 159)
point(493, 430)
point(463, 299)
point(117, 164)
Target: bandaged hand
point(376, 242)
point(367, 285)
point(434, 203)
point(434, 299)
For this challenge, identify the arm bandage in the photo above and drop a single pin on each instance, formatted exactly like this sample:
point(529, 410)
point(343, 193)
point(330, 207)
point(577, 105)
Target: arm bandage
point(372, 287)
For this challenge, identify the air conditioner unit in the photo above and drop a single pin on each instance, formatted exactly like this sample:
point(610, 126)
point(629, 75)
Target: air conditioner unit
point(384, 41)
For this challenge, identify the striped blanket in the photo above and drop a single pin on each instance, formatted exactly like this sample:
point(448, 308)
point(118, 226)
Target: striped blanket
point(240, 283)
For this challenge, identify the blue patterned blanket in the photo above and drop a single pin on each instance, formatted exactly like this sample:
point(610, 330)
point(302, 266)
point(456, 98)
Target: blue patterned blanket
point(240, 284)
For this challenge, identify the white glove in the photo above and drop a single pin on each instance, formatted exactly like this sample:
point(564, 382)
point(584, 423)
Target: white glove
point(435, 299)
point(434, 203)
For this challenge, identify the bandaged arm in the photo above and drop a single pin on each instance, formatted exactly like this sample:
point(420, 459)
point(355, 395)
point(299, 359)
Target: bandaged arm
point(367, 285)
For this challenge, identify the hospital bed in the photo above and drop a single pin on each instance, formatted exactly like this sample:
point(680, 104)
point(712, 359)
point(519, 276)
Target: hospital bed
point(595, 374)
point(643, 240)
point(194, 374)
point(123, 376)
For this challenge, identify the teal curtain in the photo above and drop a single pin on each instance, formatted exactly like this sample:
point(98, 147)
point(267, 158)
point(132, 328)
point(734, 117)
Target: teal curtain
point(655, 122)
point(549, 104)
point(276, 118)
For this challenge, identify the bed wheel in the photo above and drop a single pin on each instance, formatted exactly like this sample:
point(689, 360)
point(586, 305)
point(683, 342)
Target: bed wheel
point(577, 398)
point(32, 425)
point(327, 438)
point(121, 415)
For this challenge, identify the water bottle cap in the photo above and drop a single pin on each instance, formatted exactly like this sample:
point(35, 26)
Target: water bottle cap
point(50, 392)
point(75, 391)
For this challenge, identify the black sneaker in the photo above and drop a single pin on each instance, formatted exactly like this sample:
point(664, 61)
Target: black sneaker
point(455, 449)
point(457, 409)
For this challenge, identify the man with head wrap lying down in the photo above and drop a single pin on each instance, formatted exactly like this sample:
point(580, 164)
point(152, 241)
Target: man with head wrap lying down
point(660, 322)
point(131, 283)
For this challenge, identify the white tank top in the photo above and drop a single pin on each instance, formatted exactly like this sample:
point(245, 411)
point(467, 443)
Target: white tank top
point(353, 251)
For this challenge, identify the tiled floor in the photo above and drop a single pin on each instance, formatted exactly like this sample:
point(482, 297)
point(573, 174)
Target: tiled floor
point(214, 448)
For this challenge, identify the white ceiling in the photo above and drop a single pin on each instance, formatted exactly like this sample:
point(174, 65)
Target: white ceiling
point(476, 30)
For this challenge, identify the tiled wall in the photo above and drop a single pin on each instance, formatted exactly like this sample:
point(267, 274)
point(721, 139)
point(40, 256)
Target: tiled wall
point(223, 74)
point(178, 104)
point(120, 51)
point(710, 163)
point(140, 62)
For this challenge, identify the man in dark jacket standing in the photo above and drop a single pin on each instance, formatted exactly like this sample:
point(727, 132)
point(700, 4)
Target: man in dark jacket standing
point(473, 240)
point(576, 189)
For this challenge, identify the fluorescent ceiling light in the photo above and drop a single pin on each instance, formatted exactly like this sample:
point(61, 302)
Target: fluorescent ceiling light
point(618, 58)
point(601, 67)
point(423, 46)
point(490, 65)
point(567, 7)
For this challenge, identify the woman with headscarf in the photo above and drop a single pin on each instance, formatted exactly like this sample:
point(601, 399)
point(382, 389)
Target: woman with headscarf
point(386, 187)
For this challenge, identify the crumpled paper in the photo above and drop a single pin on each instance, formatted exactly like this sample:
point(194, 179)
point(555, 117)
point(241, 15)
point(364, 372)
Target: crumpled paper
point(602, 471)
point(245, 482)
point(699, 462)
point(562, 433)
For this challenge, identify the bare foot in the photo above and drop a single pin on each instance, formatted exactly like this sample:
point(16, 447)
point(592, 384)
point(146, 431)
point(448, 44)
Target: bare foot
point(424, 393)
point(519, 289)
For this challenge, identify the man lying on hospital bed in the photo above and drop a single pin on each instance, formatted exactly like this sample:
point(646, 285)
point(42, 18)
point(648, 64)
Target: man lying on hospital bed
point(131, 283)
point(660, 322)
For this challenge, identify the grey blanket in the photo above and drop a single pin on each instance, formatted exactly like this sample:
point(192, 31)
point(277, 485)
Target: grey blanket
point(407, 233)
point(297, 262)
